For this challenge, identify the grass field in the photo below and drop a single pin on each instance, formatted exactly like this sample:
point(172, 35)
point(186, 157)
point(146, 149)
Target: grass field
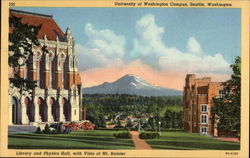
point(104, 139)
point(97, 139)
point(190, 141)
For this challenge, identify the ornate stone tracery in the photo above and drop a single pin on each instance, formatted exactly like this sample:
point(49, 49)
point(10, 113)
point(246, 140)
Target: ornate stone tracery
point(62, 56)
point(75, 63)
point(54, 79)
point(51, 55)
point(71, 62)
point(38, 54)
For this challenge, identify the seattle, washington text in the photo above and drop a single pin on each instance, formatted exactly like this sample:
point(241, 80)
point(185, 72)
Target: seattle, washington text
point(171, 4)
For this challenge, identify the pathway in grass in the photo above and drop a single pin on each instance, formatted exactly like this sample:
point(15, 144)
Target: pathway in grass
point(139, 143)
point(229, 139)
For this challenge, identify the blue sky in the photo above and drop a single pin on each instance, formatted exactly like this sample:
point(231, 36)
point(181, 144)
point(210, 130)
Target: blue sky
point(190, 40)
point(217, 30)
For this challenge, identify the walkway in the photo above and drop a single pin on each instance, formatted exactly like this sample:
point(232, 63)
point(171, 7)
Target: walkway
point(228, 139)
point(21, 128)
point(140, 144)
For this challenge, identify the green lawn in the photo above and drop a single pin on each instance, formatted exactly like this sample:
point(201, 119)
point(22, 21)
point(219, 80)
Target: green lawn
point(190, 141)
point(97, 139)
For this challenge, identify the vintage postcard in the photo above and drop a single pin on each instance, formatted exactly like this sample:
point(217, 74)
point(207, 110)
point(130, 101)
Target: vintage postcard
point(124, 78)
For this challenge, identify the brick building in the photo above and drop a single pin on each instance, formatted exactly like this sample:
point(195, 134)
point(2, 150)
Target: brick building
point(197, 103)
point(58, 95)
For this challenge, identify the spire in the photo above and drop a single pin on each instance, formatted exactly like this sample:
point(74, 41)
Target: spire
point(45, 37)
point(68, 31)
point(68, 35)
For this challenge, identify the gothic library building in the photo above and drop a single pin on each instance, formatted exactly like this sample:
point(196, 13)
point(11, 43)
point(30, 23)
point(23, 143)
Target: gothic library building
point(58, 95)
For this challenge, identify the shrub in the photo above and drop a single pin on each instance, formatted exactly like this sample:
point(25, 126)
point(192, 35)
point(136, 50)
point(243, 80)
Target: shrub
point(110, 123)
point(46, 129)
point(38, 130)
point(87, 126)
point(67, 130)
point(54, 132)
point(134, 129)
point(126, 135)
point(147, 135)
point(57, 127)
point(118, 126)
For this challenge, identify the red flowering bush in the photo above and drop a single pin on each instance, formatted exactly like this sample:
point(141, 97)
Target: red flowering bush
point(66, 124)
point(75, 126)
point(88, 126)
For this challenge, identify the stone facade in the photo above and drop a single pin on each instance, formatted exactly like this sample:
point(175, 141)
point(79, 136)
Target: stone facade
point(58, 95)
point(197, 103)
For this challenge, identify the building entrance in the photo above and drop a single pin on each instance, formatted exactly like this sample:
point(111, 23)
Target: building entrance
point(16, 111)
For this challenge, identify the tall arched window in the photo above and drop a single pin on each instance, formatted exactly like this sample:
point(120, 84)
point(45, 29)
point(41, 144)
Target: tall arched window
point(38, 73)
point(60, 61)
point(38, 67)
point(62, 71)
point(51, 77)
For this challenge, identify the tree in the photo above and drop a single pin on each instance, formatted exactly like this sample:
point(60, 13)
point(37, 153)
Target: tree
point(102, 121)
point(227, 108)
point(168, 118)
point(22, 38)
point(129, 123)
point(151, 123)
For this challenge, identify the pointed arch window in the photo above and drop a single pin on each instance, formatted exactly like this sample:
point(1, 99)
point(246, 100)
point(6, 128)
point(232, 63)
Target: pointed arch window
point(51, 77)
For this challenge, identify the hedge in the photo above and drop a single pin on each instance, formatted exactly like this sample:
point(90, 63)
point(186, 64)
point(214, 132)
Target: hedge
point(122, 135)
point(149, 135)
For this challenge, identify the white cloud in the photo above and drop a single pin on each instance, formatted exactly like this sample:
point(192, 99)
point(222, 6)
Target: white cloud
point(150, 48)
point(102, 48)
point(192, 63)
point(148, 44)
point(193, 46)
point(148, 30)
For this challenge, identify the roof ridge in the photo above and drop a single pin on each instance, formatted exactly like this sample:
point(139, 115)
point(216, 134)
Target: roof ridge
point(30, 13)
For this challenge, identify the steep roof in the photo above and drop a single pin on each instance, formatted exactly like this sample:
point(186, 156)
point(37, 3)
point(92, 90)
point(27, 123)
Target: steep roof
point(49, 26)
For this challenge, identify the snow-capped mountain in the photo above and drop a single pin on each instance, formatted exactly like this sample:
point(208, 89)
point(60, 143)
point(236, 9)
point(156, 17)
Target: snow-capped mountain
point(131, 84)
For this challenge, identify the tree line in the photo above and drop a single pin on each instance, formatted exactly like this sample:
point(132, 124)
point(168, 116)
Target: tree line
point(102, 107)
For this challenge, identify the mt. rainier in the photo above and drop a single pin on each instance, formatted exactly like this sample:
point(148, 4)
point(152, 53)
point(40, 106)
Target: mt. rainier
point(131, 84)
